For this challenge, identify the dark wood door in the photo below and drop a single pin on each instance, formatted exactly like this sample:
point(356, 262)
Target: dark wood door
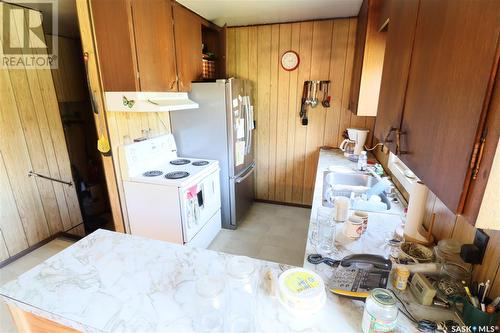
point(115, 44)
point(187, 30)
point(399, 45)
point(154, 38)
point(451, 67)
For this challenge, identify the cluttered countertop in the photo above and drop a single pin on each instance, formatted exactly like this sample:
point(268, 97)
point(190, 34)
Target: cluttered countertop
point(113, 282)
point(381, 227)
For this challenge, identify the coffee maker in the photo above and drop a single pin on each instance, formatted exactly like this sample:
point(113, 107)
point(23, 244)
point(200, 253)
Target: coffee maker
point(354, 145)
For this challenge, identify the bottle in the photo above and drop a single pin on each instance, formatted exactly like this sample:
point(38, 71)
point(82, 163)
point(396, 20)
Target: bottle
point(362, 161)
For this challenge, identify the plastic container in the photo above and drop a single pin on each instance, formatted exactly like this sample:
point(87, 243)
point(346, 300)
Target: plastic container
point(381, 312)
point(362, 161)
point(302, 292)
point(400, 277)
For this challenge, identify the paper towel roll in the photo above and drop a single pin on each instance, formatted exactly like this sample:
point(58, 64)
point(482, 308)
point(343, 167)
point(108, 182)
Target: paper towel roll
point(416, 210)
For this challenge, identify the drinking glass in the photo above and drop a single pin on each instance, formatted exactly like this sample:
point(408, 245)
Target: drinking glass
point(321, 213)
point(326, 231)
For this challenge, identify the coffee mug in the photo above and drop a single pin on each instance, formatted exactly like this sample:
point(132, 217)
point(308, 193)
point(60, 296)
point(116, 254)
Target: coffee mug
point(364, 217)
point(353, 227)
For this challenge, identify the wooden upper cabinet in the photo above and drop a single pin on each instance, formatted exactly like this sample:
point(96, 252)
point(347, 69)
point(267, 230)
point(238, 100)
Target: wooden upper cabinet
point(154, 39)
point(399, 45)
point(187, 28)
point(451, 73)
point(115, 44)
point(368, 60)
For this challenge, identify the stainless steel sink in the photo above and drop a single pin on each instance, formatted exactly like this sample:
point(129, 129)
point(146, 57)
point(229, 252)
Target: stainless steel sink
point(345, 183)
point(352, 179)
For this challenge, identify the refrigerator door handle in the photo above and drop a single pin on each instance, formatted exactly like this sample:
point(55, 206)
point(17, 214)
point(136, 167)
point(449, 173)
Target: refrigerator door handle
point(250, 128)
point(246, 175)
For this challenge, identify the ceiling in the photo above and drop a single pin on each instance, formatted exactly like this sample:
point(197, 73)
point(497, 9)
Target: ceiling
point(248, 12)
point(232, 12)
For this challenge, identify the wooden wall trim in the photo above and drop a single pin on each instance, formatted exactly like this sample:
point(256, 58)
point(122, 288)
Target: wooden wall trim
point(287, 152)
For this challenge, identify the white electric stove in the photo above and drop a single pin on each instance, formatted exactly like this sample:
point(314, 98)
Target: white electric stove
point(170, 198)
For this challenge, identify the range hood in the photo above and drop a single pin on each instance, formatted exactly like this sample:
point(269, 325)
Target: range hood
point(134, 101)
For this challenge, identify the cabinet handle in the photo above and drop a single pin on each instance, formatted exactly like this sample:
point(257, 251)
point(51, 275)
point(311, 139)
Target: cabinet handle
point(480, 153)
point(172, 84)
point(399, 152)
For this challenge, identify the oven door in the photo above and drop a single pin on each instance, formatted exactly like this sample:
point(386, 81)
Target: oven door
point(199, 203)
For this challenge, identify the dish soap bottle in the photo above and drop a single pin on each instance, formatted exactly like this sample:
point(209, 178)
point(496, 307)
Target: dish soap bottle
point(362, 161)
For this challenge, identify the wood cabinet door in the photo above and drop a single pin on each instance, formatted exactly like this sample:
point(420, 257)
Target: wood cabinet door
point(359, 51)
point(451, 68)
point(187, 30)
point(400, 37)
point(368, 60)
point(154, 39)
point(115, 44)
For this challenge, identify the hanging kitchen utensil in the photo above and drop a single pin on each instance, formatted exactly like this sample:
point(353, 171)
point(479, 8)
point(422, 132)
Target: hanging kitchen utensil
point(326, 96)
point(314, 97)
point(102, 142)
point(304, 102)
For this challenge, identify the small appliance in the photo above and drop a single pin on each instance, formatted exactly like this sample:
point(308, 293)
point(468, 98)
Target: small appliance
point(168, 197)
point(355, 142)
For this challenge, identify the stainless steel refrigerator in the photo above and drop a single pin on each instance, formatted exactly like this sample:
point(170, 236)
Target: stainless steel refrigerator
point(221, 129)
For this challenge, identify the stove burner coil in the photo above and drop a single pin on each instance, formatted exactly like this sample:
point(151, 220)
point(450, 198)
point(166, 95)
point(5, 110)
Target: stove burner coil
point(152, 173)
point(177, 175)
point(180, 162)
point(199, 163)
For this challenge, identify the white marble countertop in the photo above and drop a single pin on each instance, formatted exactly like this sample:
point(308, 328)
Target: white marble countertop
point(113, 282)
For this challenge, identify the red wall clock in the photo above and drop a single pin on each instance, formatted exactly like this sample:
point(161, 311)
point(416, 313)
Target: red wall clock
point(290, 60)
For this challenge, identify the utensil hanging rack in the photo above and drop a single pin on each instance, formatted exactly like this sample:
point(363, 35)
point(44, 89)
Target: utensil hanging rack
point(310, 97)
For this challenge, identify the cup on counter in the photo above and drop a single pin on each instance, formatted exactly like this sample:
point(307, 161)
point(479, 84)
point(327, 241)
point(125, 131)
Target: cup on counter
point(341, 205)
point(353, 227)
point(364, 217)
point(326, 230)
point(322, 214)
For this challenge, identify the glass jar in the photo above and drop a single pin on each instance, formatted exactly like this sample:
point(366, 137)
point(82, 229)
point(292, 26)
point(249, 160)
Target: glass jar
point(241, 284)
point(209, 314)
point(381, 312)
point(392, 249)
point(452, 275)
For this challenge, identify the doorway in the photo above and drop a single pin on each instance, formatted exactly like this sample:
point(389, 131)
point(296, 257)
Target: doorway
point(81, 135)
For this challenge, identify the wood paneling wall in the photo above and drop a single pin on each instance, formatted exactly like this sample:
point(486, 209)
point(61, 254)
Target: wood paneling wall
point(32, 139)
point(449, 225)
point(285, 151)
